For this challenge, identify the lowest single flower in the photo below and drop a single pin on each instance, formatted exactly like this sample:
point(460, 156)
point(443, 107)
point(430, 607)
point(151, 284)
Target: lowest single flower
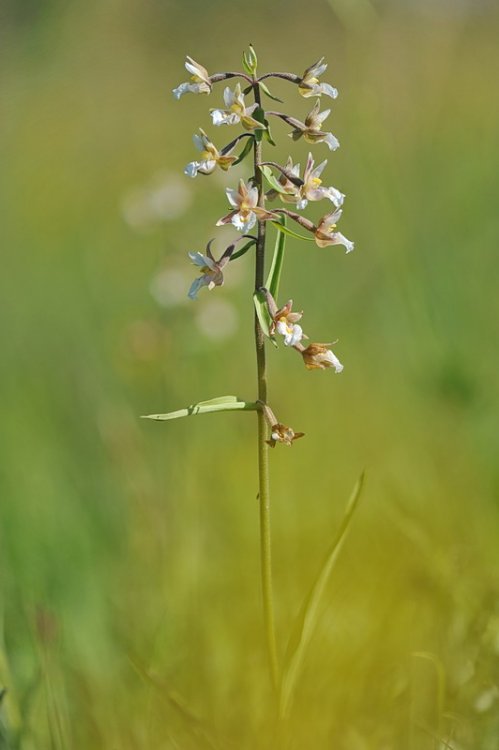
point(320, 357)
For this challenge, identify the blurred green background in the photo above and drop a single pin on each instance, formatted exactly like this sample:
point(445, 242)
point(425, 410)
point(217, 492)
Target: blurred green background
point(130, 592)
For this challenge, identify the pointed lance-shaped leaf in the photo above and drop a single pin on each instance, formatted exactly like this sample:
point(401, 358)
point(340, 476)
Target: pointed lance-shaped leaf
point(288, 231)
point(274, 277)
point(221, 403)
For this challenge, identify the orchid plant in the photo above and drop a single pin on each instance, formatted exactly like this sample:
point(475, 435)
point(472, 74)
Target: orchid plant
point(253, 208)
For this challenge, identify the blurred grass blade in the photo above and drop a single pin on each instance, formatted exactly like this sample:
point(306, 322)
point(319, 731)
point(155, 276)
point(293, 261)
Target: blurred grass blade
point(307, 619)
point(288, 231)
point(274, 277)
point(222, 403)
point(441, 687)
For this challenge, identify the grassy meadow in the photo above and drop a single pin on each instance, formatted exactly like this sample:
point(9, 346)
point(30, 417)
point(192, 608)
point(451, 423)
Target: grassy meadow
point(130, 605)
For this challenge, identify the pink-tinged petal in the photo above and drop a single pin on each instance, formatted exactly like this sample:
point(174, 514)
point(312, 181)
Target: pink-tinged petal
point(233, 196)
point(207, 166)
point(331, 141)
point(335, 196)
point(252, 197)
point(196, 286)
point(321, 117)
point(192, 168)
point(202, 261)
point(228, 97)
point(328, 90)
point(198, 142)
point(316, 173)
point(244, 223)
point(227, 219)
point(221, 117)
point(182, 89)
point(340, 239)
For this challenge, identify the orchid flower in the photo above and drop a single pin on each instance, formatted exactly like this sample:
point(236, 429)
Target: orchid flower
point(236, 110)
point(210, 157)
point(309, 84)
point(211, 269)
point(279, 433)
point(311, 189)
point(285, 322)
point(246, 209)
point(311, 128)
point(320, 357)
point(325, 234)
point(200, 82)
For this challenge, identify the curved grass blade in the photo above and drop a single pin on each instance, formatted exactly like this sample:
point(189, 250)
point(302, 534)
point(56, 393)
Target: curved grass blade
point(307, 619)
point(288, 231)
point(222, 403)
point(274, 277)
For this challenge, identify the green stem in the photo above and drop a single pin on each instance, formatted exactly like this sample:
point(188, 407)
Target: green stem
point(263, 448)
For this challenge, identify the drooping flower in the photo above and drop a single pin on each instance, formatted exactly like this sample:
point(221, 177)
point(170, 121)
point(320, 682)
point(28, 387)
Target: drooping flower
point(325, 233)
point(312, 189)
point(235, 110)
point(285, 322)
point(246, 209)
point(311, 128)
point(310, 85)
point(211, 269)
point(210, 157)
point(282, 434)
point(320, 357)
point(200, 82)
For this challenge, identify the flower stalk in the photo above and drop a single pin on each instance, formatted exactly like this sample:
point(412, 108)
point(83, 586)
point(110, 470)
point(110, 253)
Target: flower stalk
point(248, 212)
point(263, 448)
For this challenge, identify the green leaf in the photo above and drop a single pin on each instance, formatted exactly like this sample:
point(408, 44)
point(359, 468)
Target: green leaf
point(271, 179)
point(272, 283)
point(244, 153)
point(309, 613)
point(268, 135)
point(266, 91)
point(288, 231)
point(263, 315)
point(243, 250)
point(221, 403)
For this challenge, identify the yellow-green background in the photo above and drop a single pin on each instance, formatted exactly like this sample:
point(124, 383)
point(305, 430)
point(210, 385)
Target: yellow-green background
point(130, 548)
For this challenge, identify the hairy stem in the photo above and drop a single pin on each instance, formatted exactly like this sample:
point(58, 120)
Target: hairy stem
point(263, 449)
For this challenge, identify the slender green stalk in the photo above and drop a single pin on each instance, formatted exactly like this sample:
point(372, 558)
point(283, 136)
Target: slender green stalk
point(263, 457)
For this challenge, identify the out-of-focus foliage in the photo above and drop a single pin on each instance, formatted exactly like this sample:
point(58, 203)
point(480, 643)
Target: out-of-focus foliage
point(129, 581)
